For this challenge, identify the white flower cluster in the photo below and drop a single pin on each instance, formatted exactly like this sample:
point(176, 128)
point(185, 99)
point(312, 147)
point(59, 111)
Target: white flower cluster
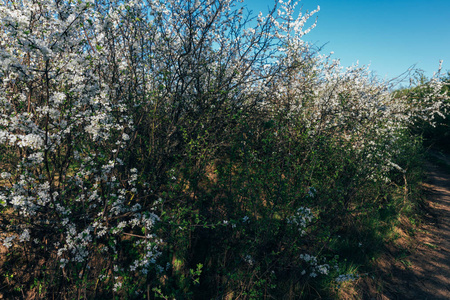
point(5, 175)
point(346, 277)
point(302, 217)
point(249, 259)
point(32, 141)
point(76, 244)
point(148, 260)
point(315, 268)
point(7, 242)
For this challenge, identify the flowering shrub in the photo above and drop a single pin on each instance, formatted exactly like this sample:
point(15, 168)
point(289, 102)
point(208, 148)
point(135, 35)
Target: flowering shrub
point(435, 133)
point(169, 148)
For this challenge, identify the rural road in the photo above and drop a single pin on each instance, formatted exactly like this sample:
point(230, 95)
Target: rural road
point(425, 273)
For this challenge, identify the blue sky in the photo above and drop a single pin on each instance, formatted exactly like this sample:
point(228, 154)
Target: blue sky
point(390, 35)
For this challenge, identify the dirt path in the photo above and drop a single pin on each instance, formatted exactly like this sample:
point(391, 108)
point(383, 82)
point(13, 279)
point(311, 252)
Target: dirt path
point(424, 272)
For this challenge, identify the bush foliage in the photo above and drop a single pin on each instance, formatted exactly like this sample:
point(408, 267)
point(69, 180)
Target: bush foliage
point(190, 150)
point(437, 133)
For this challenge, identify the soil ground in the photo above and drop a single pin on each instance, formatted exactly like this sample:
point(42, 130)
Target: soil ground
point(419, 267)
